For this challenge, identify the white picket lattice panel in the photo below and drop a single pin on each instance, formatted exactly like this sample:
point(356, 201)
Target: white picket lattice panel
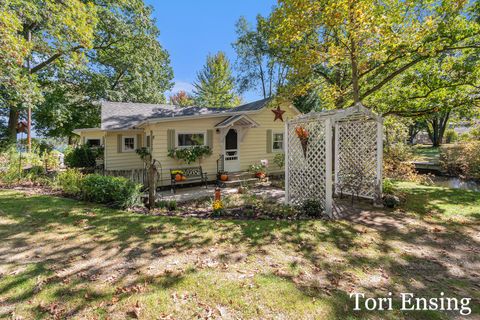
point(355, 156)
point(306, 168)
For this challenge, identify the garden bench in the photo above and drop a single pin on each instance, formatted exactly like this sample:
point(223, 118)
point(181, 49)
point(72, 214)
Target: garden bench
point(191, 174)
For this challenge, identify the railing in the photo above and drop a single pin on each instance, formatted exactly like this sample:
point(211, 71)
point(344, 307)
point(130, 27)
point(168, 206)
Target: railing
point(221, 163)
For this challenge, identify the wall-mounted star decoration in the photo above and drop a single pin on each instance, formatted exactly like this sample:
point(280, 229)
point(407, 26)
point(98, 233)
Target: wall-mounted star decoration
point(278, 113)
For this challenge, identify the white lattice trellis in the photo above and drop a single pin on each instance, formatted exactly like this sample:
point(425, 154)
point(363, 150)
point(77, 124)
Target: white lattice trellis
point(347, 142)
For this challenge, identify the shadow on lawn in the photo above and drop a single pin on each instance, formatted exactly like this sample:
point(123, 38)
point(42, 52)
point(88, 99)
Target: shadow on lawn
point(398, 251)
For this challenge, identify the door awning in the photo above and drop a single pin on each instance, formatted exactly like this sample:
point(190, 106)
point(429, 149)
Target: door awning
point(239, 120)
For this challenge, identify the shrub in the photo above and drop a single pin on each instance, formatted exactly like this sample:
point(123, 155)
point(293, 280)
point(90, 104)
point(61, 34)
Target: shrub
point(397, 164)
point(462, 159)
point(170, 205)
point(451, 136)
point(387, 186)
point(81, 157)
point(70, 181)
point(114, 191)
point(391, 201)
point(475, 133)
point(312, 208)
point(279, 160)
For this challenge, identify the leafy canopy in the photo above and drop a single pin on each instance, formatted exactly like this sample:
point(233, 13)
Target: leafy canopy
point(215, 85)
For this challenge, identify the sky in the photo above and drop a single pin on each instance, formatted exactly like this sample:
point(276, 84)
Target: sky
point(190, 30)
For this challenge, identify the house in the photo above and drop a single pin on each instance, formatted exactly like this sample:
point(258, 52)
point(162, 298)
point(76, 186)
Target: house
point(238, 136)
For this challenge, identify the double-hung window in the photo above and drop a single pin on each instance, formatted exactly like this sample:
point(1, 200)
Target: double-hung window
point(128, 144)
point(277, 141)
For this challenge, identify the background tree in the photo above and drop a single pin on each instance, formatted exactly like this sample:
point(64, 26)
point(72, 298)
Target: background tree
point(182, 98)
point(215, 85)
point(79, 52)
point(256, 64)
point(353, 49)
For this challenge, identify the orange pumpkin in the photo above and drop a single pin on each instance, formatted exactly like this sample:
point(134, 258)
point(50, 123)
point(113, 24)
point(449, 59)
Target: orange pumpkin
point(184, 178)
point(178, 177)
point(224, 177)
point(260, 175)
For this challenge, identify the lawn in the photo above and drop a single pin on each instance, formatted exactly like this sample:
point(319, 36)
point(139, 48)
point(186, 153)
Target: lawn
point(60, 258)
point(426, 153)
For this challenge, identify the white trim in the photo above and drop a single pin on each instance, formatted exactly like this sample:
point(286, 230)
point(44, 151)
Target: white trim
point(134, 143)
point(190, 132)
point(285, 135)
point(328, 168)
point(273, 142)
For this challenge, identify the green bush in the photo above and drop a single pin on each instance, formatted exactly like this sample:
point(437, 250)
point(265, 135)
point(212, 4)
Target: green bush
point(279, 160)
point(114, 191)
point(475, 133)
point(387, 186)
point(462, 159)
point(312, 208)
point(70, 181)
point(451, 136)
point(81, 157)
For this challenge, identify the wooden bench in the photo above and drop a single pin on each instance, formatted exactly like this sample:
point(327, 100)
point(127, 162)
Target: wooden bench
point(192, 174)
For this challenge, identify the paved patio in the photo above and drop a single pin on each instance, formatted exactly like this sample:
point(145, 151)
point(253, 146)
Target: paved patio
point(199, 192)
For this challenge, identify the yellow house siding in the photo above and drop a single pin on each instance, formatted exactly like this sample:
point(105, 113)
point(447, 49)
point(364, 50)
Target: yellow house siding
point(160, 146)
point(254, 145)
point(122, 160)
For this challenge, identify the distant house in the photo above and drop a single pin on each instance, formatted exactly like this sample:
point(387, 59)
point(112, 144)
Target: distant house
point(237, 136)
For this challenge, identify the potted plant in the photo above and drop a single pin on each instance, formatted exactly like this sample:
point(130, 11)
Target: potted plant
point(259, 170)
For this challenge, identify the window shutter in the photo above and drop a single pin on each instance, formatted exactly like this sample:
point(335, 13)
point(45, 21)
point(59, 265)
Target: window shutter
point(139, 140)
point(119, 143)
point(269, 141)
point(210, 138)
point(147, 140)
point(170, 139)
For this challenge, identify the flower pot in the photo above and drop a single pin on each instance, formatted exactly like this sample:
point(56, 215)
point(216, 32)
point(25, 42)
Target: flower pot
point(260, 175)
point(224, 177)
point(178, 177)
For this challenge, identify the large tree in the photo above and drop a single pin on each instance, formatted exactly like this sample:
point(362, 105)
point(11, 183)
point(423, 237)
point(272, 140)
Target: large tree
point(81, 51)
point(256, 63)
point(182, 99)
point(215, 85)
point(353, 49)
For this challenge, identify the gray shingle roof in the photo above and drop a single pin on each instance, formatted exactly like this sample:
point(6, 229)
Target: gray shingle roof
point(122, 115)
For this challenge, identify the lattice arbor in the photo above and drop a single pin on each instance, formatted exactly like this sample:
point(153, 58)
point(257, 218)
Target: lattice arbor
point(334, 152)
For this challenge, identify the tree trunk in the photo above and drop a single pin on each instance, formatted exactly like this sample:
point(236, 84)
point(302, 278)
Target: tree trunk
point(353, 56)
point(12, 125)
point(151, 186)
point(436, 128)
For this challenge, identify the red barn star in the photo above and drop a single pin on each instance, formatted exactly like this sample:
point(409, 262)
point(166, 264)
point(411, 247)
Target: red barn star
point(278, 114)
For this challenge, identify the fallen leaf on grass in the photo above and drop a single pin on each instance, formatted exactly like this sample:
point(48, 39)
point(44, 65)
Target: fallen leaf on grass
point(135, 311)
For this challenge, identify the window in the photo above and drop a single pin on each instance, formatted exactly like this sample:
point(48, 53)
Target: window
point(128, 144)
point(93, 142)
point(277, 141)
point(190, 139)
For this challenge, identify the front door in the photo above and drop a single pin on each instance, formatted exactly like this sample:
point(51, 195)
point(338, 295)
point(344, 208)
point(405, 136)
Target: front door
point(232, 159)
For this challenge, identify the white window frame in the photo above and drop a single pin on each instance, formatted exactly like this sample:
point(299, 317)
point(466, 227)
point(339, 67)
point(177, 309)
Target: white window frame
point(190, 132)
point(89, 139)
point(134, 143)
point(273, 141)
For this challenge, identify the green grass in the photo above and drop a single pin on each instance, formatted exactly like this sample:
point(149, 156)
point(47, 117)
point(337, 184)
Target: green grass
point(426, 153)
point(69, 259)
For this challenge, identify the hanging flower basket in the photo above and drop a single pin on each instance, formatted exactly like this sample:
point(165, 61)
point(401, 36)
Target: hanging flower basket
point(302, 134)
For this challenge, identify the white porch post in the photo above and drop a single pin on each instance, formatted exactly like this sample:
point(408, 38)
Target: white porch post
point(286, 140)
point(336, 156)
point(379, 160)
point(328, 168)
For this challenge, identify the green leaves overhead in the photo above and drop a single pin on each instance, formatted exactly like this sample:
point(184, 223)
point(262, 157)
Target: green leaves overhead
point(215, 86)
